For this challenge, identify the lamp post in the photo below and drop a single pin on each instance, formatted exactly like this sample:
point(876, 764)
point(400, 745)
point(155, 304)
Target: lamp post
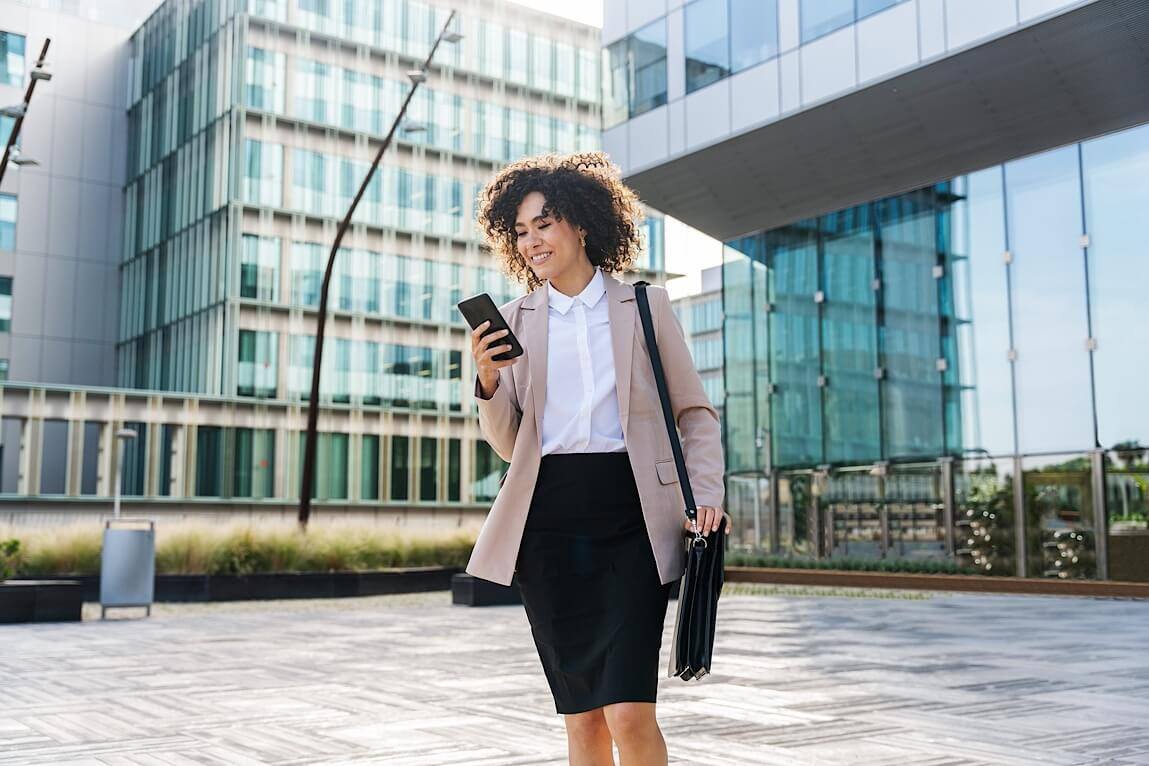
point(121, 437)
point(416, 76)
point(40, 72)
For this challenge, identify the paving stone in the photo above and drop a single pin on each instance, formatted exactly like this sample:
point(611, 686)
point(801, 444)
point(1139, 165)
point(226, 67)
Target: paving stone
point(810, 676)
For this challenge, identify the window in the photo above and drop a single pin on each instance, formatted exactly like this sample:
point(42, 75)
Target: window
point(588, 82)
point(634, 74)
point(330, 478)
point(564, 69)
point(821, 17)
point(6, 126)
point(305, 274)
point(491, 38)
point(3, 369)
point(615, 97)
point(7, 222)
point(264, 74)
point(263, 173)
point(313, 182)
point(454, 469)
point(707, 43)
point(11, 59)
point(312, 91)
point(259, 268)
point(269, 9)
point(648, 57)
point(489, 468)
point(5, 304)
point(542, 63)
point(428, 468)
point(369, 468)
point(257, 364)
point(400, 460)
point(517, 57)
point(753, 32)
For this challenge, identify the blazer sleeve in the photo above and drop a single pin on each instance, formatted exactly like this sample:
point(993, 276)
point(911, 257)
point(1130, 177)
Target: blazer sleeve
point(697, 420)
point(500, 415)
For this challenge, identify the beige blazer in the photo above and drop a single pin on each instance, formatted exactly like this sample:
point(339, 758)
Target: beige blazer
point(512, 422)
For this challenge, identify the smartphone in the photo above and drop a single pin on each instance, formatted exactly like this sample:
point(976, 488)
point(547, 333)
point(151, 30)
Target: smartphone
point(480, 308)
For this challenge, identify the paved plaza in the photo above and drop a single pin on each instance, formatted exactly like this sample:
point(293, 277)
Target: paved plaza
point(803, 677)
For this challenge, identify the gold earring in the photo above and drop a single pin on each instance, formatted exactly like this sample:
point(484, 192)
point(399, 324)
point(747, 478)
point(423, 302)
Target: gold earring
point(582, 240)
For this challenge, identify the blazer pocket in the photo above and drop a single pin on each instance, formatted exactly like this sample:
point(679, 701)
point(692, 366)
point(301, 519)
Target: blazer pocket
point(667, 473)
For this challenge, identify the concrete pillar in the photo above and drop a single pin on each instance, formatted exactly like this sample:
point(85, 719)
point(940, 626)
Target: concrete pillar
point(105, 457)
point(282, 467)
point(152, 446)
point(31, 448)
point(74, 476)
point(177, 485)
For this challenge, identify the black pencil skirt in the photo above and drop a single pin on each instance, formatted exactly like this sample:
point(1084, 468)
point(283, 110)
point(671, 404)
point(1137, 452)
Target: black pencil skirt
point(589, 583)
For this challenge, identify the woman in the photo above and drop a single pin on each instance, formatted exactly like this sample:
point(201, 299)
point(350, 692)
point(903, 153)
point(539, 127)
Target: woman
point(590, 517)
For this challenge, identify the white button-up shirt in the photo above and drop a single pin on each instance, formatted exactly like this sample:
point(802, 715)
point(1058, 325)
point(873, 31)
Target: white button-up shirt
point(581, 409)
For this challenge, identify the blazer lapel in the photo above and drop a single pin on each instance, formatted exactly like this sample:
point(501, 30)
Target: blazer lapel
point(622, 318)
point(534, 340)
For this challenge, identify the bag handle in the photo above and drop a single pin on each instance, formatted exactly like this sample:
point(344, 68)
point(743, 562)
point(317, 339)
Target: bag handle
point(664, 398)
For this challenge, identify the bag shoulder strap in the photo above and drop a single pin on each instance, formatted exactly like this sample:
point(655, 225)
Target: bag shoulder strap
point(664, 397)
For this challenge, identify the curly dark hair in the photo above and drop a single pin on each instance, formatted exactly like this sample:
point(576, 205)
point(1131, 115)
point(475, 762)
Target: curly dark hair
point(584, 189)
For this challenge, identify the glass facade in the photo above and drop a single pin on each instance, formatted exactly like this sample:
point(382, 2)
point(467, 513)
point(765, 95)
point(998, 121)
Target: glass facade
point(11, 59)
point(634, 74)
point(8, 221)
point(821, 17)
point(5, 304)
point(707, 43)
point(952, 372)
point(247, 142)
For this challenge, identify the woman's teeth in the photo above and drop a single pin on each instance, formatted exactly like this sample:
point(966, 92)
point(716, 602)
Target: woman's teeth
point(540, 257)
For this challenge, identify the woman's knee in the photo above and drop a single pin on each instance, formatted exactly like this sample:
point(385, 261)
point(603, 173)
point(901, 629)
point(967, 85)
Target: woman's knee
point(591, 723)
point(630, 720)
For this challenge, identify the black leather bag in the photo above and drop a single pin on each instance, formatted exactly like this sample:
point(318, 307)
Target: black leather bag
point(701, 584)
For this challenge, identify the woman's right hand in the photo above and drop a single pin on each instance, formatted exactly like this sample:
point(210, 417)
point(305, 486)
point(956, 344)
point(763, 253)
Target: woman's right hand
point(483, 348)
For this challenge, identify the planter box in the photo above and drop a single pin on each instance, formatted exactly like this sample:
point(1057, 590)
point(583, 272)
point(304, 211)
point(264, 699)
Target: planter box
point(40, 601)
point(475, 591)
point(1129, 555)
point(199, 588)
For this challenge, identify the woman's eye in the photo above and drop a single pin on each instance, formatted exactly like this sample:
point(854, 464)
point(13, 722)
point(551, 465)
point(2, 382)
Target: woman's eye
point(543, 225)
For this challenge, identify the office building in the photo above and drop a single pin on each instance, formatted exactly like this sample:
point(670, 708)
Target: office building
point(249, 128)
point(933, 257)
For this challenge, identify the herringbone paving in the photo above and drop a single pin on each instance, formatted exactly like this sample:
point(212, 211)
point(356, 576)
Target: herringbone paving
point(802, 677)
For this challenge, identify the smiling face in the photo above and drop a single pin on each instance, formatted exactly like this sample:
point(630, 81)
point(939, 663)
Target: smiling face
point(550, 247)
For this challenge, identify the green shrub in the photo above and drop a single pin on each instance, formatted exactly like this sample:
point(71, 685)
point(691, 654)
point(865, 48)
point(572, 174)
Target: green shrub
point(201, 548)
point(9, 556)
point(906, 566)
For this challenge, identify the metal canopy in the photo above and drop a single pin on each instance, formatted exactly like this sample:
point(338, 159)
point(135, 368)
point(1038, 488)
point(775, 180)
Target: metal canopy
point(1075, 76)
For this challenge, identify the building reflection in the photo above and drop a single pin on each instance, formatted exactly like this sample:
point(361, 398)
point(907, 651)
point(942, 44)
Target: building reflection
point(955, 374)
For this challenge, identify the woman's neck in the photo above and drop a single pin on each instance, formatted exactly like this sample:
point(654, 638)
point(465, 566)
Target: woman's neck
point(575, 279)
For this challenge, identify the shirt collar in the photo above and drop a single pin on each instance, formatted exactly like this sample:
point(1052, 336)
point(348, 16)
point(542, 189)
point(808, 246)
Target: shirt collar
point(589, 297)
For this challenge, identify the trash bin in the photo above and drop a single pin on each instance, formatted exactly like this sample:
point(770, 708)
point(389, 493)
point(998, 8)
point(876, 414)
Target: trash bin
point(128, 564)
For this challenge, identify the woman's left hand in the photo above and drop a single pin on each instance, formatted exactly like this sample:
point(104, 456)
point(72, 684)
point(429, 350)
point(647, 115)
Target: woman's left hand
point(708, 520)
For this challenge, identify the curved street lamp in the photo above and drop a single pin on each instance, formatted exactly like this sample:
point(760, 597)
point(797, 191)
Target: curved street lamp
point(18, 111)
point(416, 76)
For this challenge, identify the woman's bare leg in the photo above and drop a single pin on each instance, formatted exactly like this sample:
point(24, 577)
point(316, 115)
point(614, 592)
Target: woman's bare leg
point(588, 739)
point(634, 727)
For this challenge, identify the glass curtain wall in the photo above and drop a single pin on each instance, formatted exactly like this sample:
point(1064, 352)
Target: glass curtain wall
point(992, 321)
